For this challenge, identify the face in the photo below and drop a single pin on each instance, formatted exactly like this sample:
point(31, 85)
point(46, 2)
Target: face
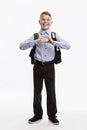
point(45, 22)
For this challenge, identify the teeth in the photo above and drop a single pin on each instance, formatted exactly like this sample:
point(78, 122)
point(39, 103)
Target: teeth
point(45, 24)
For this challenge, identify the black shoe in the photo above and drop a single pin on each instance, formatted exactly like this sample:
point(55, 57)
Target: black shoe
point(54, 120)
point(34, 119)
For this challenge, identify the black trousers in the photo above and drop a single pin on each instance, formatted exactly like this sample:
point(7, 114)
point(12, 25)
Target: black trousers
point(44, 72)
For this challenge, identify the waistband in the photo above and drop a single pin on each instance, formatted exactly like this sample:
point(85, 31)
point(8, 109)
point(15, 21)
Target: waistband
point(43, 63)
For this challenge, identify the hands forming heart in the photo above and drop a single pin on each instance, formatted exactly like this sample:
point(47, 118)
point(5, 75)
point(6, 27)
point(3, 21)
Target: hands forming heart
point(45, 39)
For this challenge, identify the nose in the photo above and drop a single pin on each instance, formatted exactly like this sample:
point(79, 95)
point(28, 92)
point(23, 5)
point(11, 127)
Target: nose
point(45, 20)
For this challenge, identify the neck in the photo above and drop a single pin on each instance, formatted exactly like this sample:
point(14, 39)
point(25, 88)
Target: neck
point(44, 29)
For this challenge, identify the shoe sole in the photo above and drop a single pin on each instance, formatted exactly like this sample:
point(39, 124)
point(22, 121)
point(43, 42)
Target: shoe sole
point(54, 123)
point(33, 122)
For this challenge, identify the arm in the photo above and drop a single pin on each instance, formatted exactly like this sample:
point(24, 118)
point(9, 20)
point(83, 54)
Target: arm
point(61, 43)
point(28, 43)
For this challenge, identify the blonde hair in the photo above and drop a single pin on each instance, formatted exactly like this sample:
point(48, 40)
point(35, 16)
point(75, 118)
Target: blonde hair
point(46, 13)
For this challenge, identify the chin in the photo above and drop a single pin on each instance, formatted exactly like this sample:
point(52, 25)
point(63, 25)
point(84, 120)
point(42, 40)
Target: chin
point(45, 28)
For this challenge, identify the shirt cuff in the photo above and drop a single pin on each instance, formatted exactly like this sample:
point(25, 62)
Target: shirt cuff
point(54, 43)
point(35, 42)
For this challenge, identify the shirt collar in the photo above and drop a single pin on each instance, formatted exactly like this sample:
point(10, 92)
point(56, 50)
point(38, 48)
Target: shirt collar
point(42, 32)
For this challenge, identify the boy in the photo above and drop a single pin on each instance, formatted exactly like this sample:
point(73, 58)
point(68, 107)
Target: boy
point(44, 67)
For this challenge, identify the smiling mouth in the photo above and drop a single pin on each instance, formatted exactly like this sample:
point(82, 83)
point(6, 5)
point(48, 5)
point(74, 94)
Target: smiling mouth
point(45, 24)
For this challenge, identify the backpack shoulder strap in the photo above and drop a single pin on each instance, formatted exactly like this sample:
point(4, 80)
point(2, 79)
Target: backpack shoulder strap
point(36, 35)
point(32, 52)
point(53, 36)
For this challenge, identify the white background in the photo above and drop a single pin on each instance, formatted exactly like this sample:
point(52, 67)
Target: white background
point(18, 21)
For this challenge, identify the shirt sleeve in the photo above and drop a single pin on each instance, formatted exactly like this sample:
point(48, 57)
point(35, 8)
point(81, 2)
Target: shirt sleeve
point(61, 43)
point(28, 43)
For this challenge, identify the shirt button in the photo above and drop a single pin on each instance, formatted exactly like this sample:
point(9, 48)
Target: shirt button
point(45, 48)
point(45, 55)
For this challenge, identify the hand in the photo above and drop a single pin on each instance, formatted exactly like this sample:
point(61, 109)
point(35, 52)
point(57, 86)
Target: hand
point(42, 37)
point(50, 40)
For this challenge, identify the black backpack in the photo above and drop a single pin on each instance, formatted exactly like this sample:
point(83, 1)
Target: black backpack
point(57, 58)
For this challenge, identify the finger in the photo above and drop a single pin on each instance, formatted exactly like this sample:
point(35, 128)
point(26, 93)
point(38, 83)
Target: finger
point(46, 36)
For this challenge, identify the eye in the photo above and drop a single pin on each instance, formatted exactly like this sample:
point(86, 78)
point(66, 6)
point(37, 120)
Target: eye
point(48, 19)
point(43, 19)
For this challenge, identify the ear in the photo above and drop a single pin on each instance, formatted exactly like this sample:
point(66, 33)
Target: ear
point(51, 22)
point(39, 21)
